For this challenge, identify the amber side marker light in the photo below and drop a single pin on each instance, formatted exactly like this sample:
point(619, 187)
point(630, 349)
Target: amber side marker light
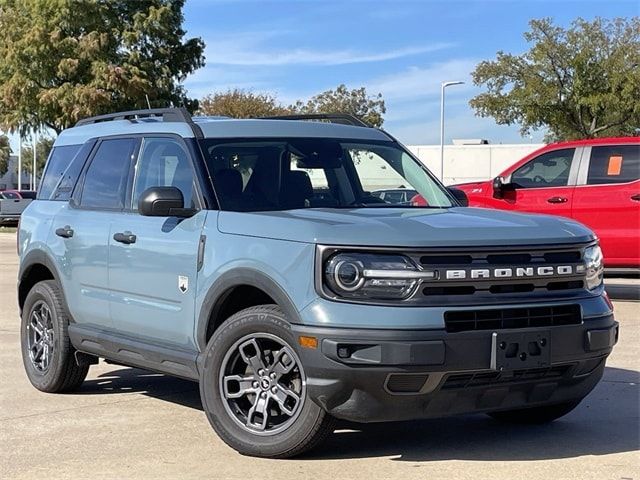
point(308, 342)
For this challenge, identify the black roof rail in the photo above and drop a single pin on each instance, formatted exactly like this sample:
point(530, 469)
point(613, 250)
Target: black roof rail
point(341, 118)
point(167, 114)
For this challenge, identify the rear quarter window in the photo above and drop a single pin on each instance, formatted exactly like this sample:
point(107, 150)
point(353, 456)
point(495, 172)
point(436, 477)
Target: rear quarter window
point(61, 169)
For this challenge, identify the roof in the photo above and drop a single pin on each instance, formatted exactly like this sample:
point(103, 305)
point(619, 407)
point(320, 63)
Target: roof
point(217, 127)
point(595, 141)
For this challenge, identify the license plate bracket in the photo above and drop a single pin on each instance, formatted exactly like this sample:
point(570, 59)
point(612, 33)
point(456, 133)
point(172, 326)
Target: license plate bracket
point(518, 350)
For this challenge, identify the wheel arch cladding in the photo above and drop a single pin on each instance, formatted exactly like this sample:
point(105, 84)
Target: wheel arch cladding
point(35, 267)
point(236, 290)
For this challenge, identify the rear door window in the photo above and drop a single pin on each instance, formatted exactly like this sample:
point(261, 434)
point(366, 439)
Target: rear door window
point(105, 181)
point(614, 164)
point(550, 169)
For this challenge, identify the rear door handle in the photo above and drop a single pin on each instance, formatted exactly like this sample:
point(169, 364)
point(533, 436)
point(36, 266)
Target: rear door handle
point(558, 200)
point(64, 232)
point(636, 197)
point(125, 237)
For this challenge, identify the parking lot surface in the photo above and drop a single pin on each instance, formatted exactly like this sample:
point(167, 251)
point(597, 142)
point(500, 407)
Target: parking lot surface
point(128, 423)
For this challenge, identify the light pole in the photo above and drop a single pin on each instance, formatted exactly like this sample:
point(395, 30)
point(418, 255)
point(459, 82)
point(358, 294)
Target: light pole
point(443, 85)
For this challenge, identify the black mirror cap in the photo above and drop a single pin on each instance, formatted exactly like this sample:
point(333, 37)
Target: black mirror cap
point(498, 187)
point(161, 202)
point(460, 196)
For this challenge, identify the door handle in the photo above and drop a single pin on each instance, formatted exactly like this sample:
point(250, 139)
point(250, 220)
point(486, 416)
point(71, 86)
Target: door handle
point(64, 232)
point(636, 197)
point(558, 200)
point(125, 237)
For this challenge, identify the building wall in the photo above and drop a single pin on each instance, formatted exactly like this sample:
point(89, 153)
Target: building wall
point(9, 181)
point(468, 163)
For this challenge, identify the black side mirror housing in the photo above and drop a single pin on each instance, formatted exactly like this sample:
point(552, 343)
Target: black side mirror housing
point(498, 187)
point(459, 195)
point(163, 202)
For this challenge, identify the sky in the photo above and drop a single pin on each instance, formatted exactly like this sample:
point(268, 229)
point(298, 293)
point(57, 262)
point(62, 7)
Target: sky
point(401, 49)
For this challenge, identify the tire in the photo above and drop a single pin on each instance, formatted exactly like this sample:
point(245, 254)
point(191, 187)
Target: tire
point(535, 415)
point(59, 372)
point(231, 353)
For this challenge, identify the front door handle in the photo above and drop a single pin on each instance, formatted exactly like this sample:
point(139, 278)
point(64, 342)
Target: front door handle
point(64, 232)
point(125, 237)
point(558, 200)
point(636, 197)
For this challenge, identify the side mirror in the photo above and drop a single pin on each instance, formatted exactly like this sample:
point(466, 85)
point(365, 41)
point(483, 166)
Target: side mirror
point(460, 196)
point(163, 202)
point(498, 187)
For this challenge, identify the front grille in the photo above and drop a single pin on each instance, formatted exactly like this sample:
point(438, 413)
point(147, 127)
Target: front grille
point(467, 320)
point(479, 379)
point(493, 275)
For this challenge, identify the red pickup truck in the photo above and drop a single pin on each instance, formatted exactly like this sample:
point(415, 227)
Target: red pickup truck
point(596, 182)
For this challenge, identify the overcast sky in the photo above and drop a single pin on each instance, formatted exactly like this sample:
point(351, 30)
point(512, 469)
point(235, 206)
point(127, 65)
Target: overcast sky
point(402, 49)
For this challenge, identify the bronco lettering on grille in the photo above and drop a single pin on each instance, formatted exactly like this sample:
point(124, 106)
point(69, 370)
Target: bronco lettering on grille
point(516, 272)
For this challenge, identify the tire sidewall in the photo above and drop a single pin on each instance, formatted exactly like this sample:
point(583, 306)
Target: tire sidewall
point(44, 381)
point(270, 320)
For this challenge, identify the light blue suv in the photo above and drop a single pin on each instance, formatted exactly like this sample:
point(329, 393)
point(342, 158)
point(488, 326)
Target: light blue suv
point(251, 256)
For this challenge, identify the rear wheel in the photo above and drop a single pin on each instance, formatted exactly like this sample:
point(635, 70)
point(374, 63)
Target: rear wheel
point(47, 353)
point(535, 415)
point(253, 387)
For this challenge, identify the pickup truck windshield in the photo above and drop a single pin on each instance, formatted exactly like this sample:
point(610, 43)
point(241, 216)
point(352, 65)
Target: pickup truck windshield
point(284, 174)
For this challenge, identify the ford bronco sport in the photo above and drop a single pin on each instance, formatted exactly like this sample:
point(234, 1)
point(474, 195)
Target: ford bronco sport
point(251, 256)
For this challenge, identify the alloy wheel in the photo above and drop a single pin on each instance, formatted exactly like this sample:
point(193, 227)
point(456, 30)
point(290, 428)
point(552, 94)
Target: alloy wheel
point(262, 384)
point(40, 336)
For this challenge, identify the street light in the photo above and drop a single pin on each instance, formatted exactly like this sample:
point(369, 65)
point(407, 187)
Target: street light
point(443, 85)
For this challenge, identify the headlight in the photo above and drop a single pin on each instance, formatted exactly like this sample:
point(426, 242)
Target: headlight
point(594, 266)
point(376, 276)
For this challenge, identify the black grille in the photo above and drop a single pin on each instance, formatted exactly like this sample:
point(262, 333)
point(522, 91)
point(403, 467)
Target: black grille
point(466, 320)
point(464, 380)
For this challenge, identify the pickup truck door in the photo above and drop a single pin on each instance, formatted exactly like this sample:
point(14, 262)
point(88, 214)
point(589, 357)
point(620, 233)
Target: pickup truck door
point(607, 199)
point(153, 261)
point(545, 184)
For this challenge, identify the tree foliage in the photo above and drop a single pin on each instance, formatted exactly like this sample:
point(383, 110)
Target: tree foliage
point(63, 60)
point(239, 103)
point(43, 147)
point(356, 102)
point(580, 82)
point(245, 104)
point(5, 154)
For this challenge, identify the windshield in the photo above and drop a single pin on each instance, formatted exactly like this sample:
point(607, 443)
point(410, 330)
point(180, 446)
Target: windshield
point(285, 174)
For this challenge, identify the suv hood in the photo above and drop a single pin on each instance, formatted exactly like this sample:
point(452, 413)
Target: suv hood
point(406, 227)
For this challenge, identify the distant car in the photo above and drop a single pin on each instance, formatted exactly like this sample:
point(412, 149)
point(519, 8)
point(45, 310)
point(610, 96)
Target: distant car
point(12, 204)
point(10, 195)
point(400, 196)
point(596, 182)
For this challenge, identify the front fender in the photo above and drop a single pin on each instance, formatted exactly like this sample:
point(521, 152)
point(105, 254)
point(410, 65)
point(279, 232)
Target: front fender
point(234, 278)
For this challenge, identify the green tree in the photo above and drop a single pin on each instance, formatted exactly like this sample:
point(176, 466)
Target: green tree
point(5, 153)
point(63, 60)
point(357, 102)
point(239, 103)
point(580, 82)
point(43, 147)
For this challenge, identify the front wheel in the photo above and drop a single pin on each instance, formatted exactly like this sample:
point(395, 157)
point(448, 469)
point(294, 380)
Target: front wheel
point(253, 387)
point(535, 415)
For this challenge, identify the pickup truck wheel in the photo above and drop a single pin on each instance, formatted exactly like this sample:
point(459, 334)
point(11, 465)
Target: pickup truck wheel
point(47, 353)
point(535, 415)
point(253, 387)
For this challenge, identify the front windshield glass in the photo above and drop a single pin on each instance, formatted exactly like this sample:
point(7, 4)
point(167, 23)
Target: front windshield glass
point(285, 174)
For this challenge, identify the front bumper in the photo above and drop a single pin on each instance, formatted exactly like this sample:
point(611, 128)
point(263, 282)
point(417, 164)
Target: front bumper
point(367, 375)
